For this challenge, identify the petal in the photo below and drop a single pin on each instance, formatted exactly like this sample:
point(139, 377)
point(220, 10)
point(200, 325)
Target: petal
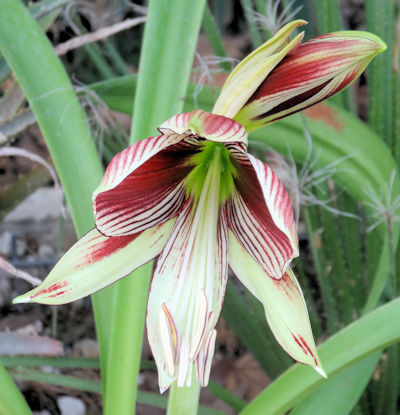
point(186, 296)
point(212, 127)
point(309, 74)
point(283, 303)
point(143, 186)
point(96, 261)
point(252, 71)
point(261, 216)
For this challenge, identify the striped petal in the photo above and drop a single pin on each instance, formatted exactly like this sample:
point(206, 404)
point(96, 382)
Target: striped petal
point(260, 215)
point(187, 290)
point(203, 124)
point(143, 185)
point(96, 261)
point(309, 74)
point(252, 71)
point(283, 303)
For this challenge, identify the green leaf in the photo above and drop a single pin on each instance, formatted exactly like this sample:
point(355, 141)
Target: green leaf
point(11, 401)
point(348, 384)
point(62, 122)
point(345, 348)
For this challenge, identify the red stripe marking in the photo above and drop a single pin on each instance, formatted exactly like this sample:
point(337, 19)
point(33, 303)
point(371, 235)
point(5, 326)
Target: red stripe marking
point(51, 289)
point(308, 349)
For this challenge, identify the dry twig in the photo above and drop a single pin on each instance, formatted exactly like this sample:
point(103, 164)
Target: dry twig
point(100, 34)
point(7, 266)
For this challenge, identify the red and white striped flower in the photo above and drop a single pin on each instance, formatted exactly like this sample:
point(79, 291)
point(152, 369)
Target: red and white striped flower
point(194, 197)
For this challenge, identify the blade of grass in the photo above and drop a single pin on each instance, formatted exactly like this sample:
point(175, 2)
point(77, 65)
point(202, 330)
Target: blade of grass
point(167, 54)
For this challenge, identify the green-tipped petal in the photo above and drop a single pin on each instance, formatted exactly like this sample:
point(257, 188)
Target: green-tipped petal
point(316, 70)
point(252, 70)
point(96, 261)
point(283, 302)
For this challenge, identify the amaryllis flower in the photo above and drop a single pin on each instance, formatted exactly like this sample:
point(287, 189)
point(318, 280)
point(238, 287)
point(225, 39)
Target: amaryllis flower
point(193, 196)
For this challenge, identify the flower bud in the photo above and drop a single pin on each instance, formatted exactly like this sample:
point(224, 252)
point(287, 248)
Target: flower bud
point(310, 73)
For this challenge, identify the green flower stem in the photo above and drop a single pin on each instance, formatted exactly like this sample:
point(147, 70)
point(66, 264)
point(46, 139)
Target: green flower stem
point(167, 54)
point(184, 401)
point(62, 122)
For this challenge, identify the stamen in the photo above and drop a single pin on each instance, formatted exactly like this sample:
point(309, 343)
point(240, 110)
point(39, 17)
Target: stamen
point(183, 362)
point(169, 338)
point(204, 359)
point(172, 327)
point(209, 353)
point(199, 328)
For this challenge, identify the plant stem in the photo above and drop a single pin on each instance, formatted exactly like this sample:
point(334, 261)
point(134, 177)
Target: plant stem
point(184, 401)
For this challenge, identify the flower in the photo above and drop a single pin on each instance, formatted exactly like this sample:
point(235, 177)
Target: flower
point(195, 197)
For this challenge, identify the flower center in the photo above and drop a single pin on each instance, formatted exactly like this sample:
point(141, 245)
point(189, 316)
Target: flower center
point(213, 156)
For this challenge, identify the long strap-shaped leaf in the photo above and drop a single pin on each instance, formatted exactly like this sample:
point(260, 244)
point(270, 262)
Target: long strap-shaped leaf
point(62, 122)
point(343, 349)
point(11, 401)
point(165, 63)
